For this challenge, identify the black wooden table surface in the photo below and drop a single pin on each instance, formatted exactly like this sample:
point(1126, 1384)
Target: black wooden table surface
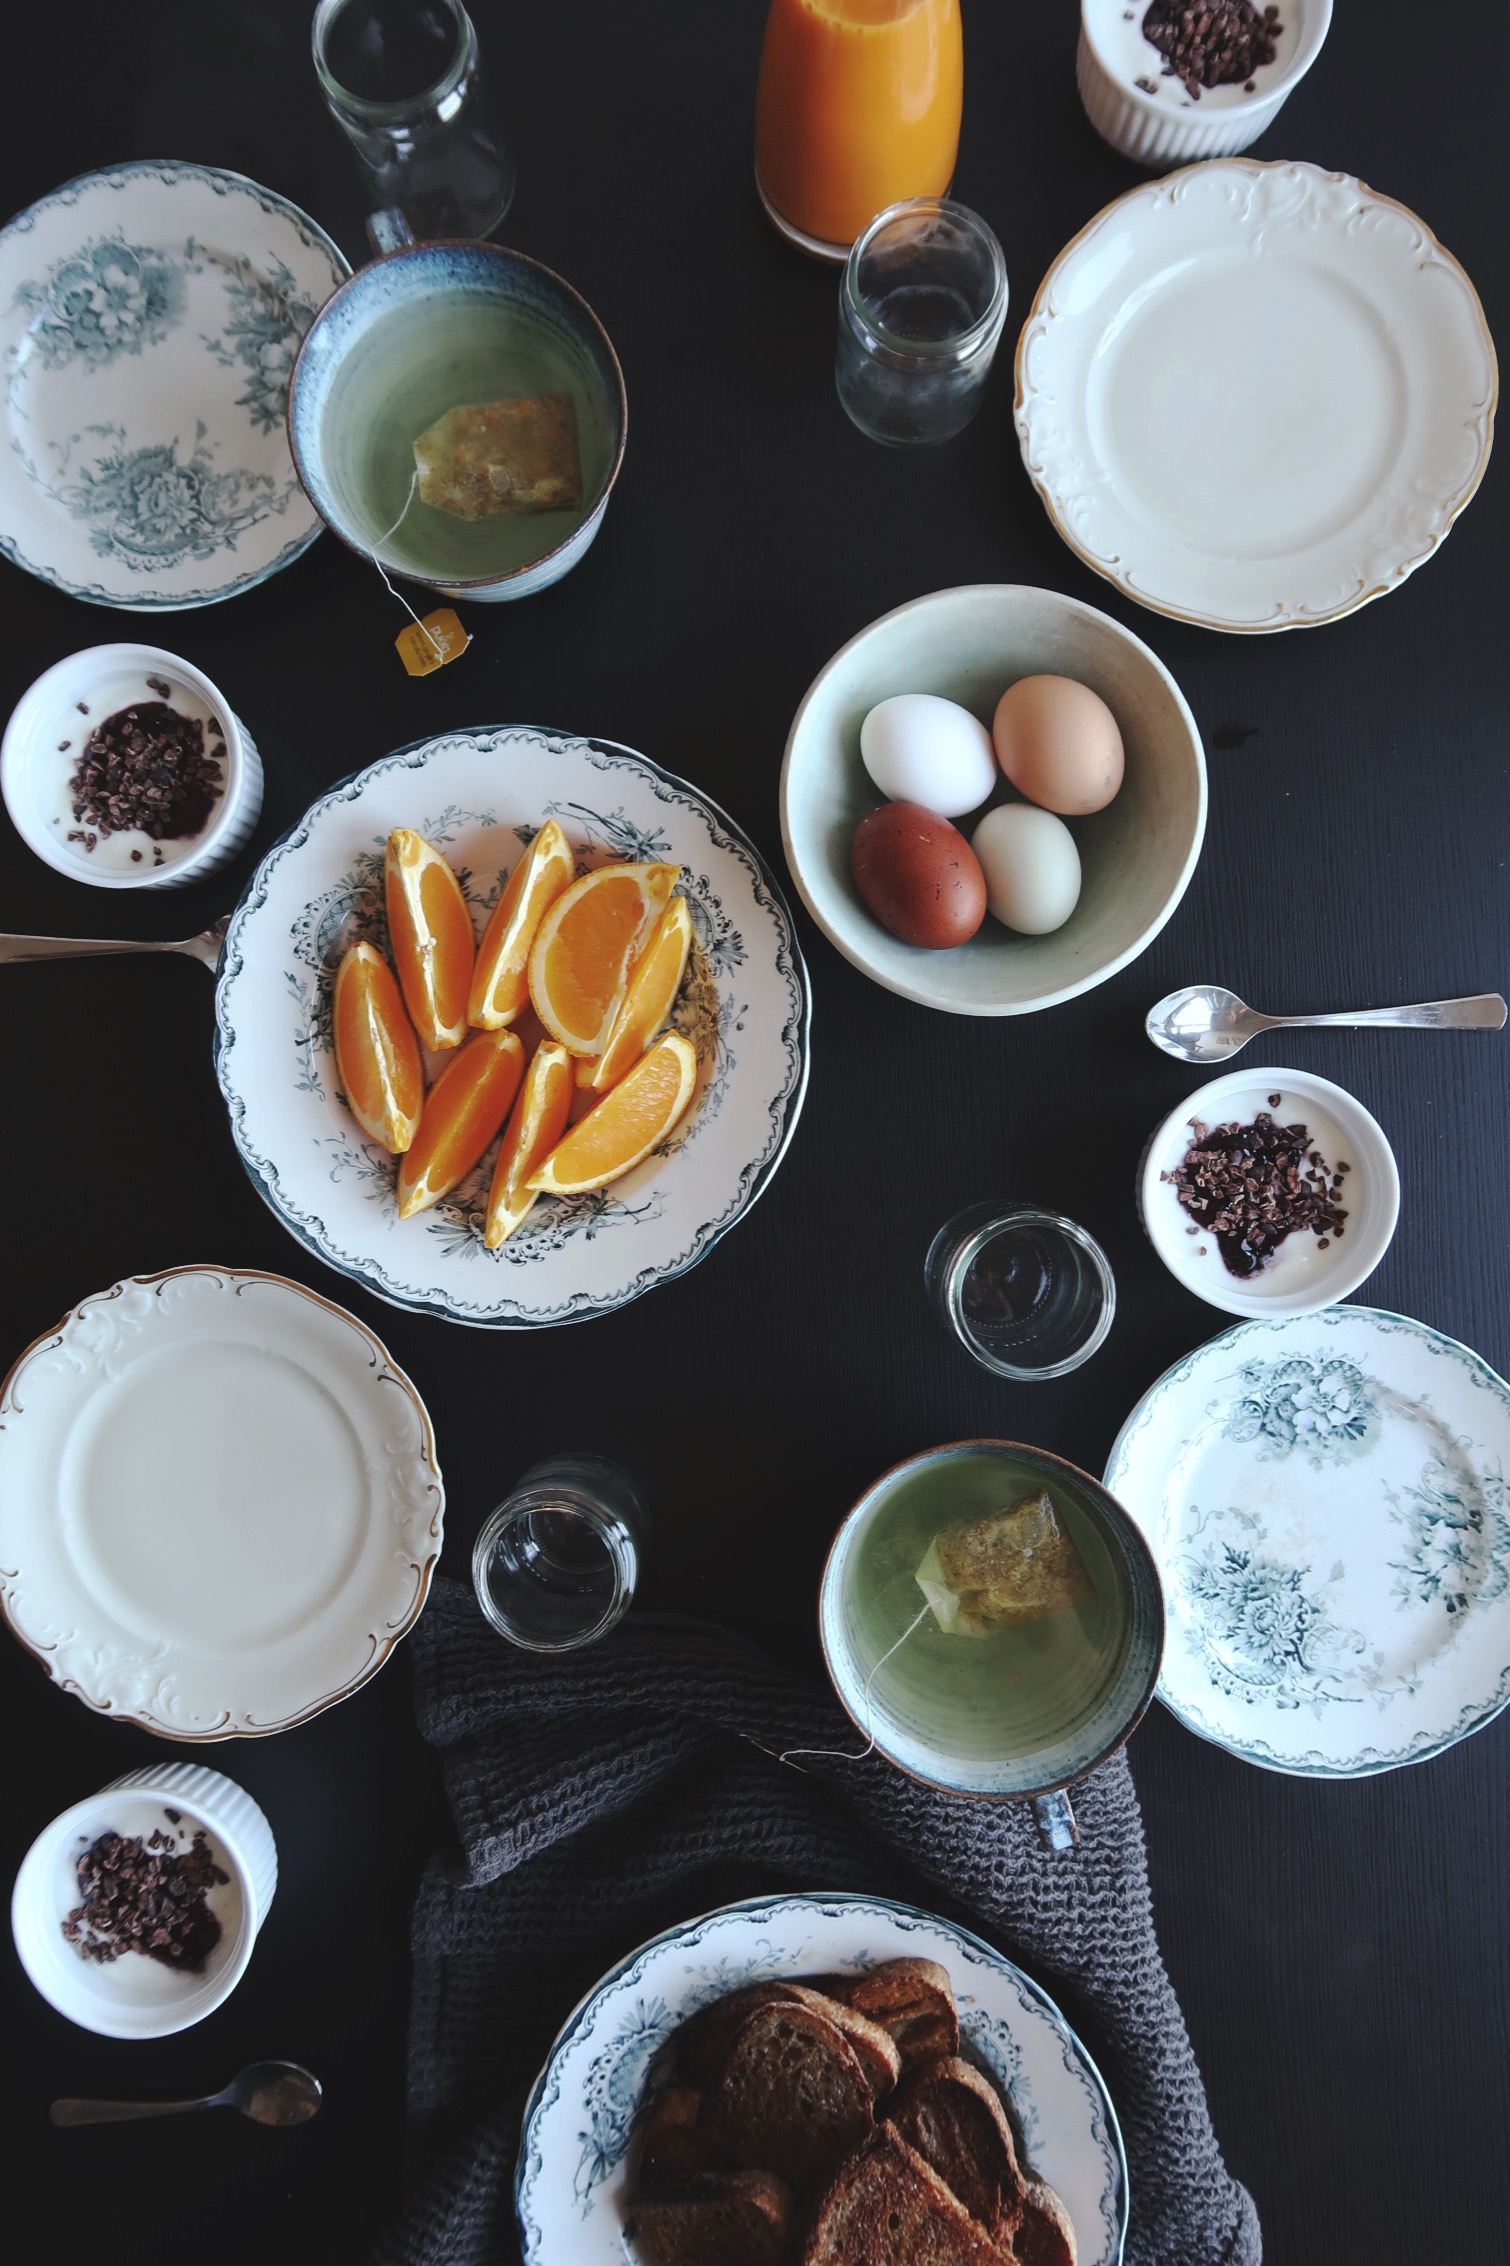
point(1341, 1949)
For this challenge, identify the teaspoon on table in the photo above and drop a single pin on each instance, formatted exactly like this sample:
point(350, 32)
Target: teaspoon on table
point(269, 2092)
point(1205, 1023)
point(206, 948)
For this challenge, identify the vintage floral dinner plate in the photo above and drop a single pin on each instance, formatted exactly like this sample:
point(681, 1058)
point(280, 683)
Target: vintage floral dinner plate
point(220, 1507)
point(481, 795)
point(1327, 1500)
point(149, 319)
point(1255, 396)
point(575, 2170)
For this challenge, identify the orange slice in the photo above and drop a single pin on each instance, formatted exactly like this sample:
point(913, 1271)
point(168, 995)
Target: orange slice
point(464, 1110)
point(653, 986)
point(430, 935)
point(538, 1122)
point(587, 946)
point(626, 1125)
point(377, 1053)
point(500, 980)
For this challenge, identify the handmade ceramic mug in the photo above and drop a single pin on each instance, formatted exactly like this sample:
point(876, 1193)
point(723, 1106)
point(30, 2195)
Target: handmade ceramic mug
point(417, 335)
point(976, 1700)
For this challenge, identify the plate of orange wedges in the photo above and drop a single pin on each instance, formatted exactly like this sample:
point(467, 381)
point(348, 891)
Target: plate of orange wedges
point(512, 1026)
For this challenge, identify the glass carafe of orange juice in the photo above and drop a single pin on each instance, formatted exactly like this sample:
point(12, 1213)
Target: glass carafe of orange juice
point(858, 107)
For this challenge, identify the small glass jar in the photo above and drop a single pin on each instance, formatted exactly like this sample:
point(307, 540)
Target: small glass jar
point(921, 310)
point(1027, 1293)
point(555, 1566)
point(403, 80)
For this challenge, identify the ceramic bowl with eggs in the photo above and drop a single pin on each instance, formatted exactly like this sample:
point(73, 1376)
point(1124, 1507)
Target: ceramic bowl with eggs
point(1345, 1149)
point(1085, 856)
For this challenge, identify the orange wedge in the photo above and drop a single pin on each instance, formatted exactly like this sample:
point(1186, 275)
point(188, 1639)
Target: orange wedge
point(430, 935)
point(377, 1054)
point(538, 1122)
point(464, 1110)
point(587, 946)
point(500, 980)
point(653, 986)
point(626, 1125)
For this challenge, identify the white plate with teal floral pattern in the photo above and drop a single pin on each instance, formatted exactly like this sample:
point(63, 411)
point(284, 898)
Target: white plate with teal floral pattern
point(149, 319)
point(576, 2156)
point(481, 795)
point(1327, 1500)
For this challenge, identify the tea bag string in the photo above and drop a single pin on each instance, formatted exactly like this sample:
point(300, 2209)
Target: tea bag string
point(841, 1754)
point(427, 634)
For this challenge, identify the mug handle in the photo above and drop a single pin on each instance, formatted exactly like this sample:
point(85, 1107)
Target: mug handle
point(1056, 1820)
point(388, 230)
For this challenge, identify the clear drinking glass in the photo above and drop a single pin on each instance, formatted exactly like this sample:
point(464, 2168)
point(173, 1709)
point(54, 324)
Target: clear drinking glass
point(1027, 1293)
point(921, 309)
point(556, 1564)
point(403, 80)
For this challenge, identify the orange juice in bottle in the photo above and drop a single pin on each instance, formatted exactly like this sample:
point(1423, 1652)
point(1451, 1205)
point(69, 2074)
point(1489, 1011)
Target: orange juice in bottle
point(858, 106)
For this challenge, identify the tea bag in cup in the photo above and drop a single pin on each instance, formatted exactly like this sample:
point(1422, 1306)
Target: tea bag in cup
point(485, 459)
point(987, 1574)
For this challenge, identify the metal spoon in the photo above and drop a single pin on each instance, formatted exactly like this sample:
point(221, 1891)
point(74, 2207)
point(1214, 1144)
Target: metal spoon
point(206, 948)
point(1205, 1023)
point(269, 2092)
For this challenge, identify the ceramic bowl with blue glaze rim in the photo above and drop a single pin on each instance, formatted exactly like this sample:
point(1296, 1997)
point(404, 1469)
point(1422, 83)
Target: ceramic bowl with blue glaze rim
point(150, 314)
point(886, 1710)
point(375, 339)
point(1328, 1501)
point(576, 2153)
point(481, 794)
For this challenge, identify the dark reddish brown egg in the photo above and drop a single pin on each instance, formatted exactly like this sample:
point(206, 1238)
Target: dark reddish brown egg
point(919, 876)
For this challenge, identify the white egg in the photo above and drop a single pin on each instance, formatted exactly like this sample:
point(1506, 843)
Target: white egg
point(920, 749)
point(1031, 865)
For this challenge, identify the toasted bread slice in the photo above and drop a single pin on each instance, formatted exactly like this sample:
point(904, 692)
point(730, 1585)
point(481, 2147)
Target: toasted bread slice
point(708, 2033)
point(913, 2001)
point(953, 2116)
point(673, 2144)
point(789, 2095)
point(886, 2207)
point(1044, 2236)
point(716, 2219)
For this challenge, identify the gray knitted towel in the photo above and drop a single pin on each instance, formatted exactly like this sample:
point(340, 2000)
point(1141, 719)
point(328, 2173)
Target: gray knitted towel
point(602, 1797)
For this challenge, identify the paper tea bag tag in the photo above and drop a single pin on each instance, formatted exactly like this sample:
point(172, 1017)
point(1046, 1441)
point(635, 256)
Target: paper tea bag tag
point(426, 646)
point(984, 1575)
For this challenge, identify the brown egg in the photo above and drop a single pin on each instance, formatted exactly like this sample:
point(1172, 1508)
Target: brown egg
point(1058, 743)
point(918, 876)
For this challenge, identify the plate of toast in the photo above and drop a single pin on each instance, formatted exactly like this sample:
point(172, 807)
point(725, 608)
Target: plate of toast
point(820, 2081)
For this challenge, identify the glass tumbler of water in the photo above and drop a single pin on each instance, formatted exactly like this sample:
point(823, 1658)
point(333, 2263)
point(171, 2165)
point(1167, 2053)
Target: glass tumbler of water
point(921, 308)
point(403, 80)
point(1027, 1293)
point(556, 1564)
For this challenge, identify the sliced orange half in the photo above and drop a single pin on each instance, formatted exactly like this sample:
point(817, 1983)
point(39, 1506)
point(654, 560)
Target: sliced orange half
point(464, 1110)
point(538, 1122)
point(652, 988)
point(377, 1053)
point(501, 980)
point(626, 1125)
point(587, 946)
point(430, 936)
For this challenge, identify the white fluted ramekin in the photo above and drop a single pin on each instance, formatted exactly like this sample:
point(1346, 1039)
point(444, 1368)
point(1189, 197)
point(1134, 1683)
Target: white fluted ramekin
point(1164, 127)
point(47, 730)
point(135, 1996)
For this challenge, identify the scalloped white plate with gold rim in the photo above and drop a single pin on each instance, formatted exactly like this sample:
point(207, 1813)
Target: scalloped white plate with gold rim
point(220, 1505)
point(1255, 396)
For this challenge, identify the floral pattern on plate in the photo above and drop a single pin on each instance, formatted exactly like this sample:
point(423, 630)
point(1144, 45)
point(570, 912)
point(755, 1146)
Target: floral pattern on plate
point(122, 297)
point(1327, 1499)
point(575, 2155)
point(480, 796)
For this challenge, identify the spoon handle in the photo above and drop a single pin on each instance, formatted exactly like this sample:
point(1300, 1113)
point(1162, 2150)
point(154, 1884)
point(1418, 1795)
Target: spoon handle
point(118, 2112)
point(20, 948)
point(1485, 1012)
